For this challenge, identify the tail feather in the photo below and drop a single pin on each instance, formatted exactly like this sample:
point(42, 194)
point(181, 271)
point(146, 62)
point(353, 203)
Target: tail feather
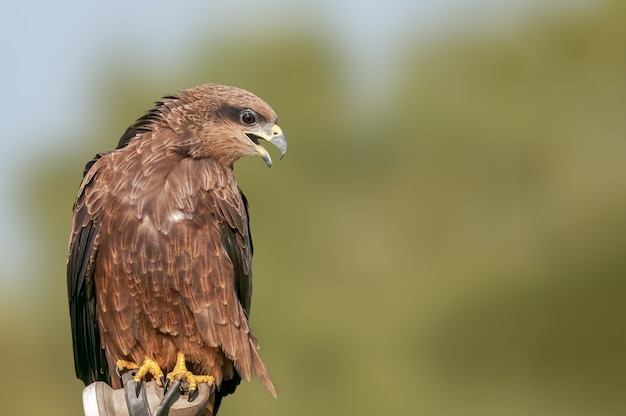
point(261, 371)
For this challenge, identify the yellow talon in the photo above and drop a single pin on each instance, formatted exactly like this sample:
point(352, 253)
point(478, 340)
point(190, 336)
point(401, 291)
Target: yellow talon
point(126, 365)
point(205, 379)
point(180, 371)
point(149, 366)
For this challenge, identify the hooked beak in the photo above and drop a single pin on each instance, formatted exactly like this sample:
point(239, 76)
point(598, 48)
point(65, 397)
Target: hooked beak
point(275, 136)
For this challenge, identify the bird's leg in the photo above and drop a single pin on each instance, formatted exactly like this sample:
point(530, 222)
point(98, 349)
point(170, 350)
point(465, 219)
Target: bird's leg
point(180, 372)
point(149, 366)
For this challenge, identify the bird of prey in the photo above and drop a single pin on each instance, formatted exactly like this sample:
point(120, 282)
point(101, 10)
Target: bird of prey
point(159, 267)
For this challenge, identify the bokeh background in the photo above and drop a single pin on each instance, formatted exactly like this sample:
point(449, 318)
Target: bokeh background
point(446, 235)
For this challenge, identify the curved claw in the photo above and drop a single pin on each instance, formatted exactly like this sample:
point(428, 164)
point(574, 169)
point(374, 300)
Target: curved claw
point(166, 385)
point(193, 394)
point(138, 386)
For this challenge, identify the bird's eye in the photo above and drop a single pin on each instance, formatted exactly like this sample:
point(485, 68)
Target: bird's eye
point(248, 117)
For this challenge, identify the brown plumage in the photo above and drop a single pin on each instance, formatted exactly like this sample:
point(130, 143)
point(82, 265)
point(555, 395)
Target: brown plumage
point(160, 250)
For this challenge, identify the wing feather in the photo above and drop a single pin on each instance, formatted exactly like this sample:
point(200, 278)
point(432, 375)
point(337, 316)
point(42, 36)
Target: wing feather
point(221, 290)
point(89, 358)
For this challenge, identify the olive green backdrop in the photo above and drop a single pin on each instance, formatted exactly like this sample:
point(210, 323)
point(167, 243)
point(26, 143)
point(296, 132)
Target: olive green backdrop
point(452, 243)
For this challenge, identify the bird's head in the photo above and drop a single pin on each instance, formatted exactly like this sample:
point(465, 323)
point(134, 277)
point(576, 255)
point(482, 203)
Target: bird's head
point(226, 123)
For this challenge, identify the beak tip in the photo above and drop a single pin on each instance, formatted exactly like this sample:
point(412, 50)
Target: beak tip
point(281, 143)
point(277, 138)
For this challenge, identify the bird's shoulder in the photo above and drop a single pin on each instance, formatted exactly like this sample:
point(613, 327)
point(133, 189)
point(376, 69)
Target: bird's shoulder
point(152, 183)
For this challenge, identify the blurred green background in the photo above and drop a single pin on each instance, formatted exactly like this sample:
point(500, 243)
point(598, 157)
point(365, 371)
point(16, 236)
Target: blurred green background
point(446, 235)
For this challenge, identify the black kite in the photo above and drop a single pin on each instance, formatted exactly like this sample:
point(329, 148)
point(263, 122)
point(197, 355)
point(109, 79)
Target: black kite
point(159, 266)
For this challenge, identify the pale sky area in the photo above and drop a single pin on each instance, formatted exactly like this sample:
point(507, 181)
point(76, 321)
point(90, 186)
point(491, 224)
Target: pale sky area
point(50, 52)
